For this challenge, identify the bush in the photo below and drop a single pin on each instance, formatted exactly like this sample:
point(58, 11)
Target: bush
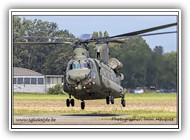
point(57, 89)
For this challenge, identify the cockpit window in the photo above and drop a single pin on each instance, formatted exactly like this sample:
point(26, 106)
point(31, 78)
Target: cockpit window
point(85, 65)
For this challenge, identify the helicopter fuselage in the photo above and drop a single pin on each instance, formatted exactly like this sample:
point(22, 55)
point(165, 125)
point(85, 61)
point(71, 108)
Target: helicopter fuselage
point(92, 79)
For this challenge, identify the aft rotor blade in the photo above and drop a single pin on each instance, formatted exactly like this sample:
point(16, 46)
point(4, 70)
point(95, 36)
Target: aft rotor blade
point(123, 39)
point(145, 30)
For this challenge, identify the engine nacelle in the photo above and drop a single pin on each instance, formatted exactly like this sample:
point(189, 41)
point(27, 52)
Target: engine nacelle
point(114, 63)
point(121, 76)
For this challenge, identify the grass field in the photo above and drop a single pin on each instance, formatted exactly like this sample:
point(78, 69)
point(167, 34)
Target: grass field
point(147, 105)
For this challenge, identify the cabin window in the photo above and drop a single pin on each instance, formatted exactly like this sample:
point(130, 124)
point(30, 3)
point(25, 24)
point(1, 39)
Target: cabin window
point(70, 66)
point(90, 65)
point(85, 65)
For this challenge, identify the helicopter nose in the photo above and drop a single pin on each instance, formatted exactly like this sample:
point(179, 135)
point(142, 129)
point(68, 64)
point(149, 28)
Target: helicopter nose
point(78, 75)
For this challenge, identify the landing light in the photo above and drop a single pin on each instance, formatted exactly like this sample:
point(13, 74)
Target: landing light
point(84, 87)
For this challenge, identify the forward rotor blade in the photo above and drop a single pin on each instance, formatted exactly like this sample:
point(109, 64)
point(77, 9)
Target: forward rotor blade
point(43, 43)
point(145, 30)
point(118, 40)
point(45, 37)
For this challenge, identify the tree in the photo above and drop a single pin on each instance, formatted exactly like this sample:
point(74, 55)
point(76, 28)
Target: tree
point(35, 56)
point(100, 35)
point(106, 34)
point(170, 74)
point(158, 50)
point(57, 60)
point(95, 34)
point(135, 55)
point(57, 89)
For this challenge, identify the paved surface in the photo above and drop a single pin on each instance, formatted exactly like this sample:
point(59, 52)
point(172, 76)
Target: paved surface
point(86, 119)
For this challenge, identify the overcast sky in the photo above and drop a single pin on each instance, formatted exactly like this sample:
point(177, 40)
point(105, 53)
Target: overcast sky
point(114, 25)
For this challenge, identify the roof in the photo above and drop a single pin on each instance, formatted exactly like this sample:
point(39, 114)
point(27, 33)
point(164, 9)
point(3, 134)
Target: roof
point(17, 71)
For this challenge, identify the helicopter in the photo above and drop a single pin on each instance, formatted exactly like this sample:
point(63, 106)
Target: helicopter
point(89, 78)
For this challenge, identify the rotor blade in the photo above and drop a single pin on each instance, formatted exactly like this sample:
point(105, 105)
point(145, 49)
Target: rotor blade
point(123, 39)
point(43, 43)
point(46, 37)
point(51, 40)
point(150, 34)
point(146, 30)
point(118, 40)
point(35, 37)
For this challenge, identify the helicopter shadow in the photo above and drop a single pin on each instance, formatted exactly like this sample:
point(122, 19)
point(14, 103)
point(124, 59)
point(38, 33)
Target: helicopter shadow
point(91, 115)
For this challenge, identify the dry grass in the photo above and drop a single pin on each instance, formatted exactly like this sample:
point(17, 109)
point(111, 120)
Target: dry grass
point(147, 105)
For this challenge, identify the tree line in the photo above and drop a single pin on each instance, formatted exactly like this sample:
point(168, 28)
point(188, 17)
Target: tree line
point(142, 67)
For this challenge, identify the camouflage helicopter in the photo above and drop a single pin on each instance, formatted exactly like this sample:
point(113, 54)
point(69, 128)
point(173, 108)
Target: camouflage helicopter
point(96, 78)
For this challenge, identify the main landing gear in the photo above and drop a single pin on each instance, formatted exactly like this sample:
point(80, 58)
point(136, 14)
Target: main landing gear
point(123, 102)
point(82, 105)
point(110, 99)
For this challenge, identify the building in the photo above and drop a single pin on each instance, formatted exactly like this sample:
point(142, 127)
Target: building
point(25, 80)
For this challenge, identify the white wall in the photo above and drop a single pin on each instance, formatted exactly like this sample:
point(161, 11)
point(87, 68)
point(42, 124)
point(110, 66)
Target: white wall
point(32, 88)
point(36, 88)
point(29, 88)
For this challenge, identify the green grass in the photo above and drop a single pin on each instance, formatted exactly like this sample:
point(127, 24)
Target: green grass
point(151, 97)
point(130, 97)
point(140, 114)
point(39, 96)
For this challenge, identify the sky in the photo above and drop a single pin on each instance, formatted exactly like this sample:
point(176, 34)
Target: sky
point(115, 25)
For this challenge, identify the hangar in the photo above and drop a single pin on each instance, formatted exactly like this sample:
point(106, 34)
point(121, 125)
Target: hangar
point(26, 80)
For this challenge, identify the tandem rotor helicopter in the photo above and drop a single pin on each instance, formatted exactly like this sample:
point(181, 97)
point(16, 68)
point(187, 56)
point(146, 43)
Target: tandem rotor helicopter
point(95, 78)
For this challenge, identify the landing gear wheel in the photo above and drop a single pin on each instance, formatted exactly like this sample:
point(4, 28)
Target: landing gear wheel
point(123, 102)
point(82, 105)
point(72, 102)
point(112, 100)
point(67, 102)
point(107, 100)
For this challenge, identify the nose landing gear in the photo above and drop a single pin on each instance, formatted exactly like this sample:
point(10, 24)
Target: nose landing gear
point(71, 102)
